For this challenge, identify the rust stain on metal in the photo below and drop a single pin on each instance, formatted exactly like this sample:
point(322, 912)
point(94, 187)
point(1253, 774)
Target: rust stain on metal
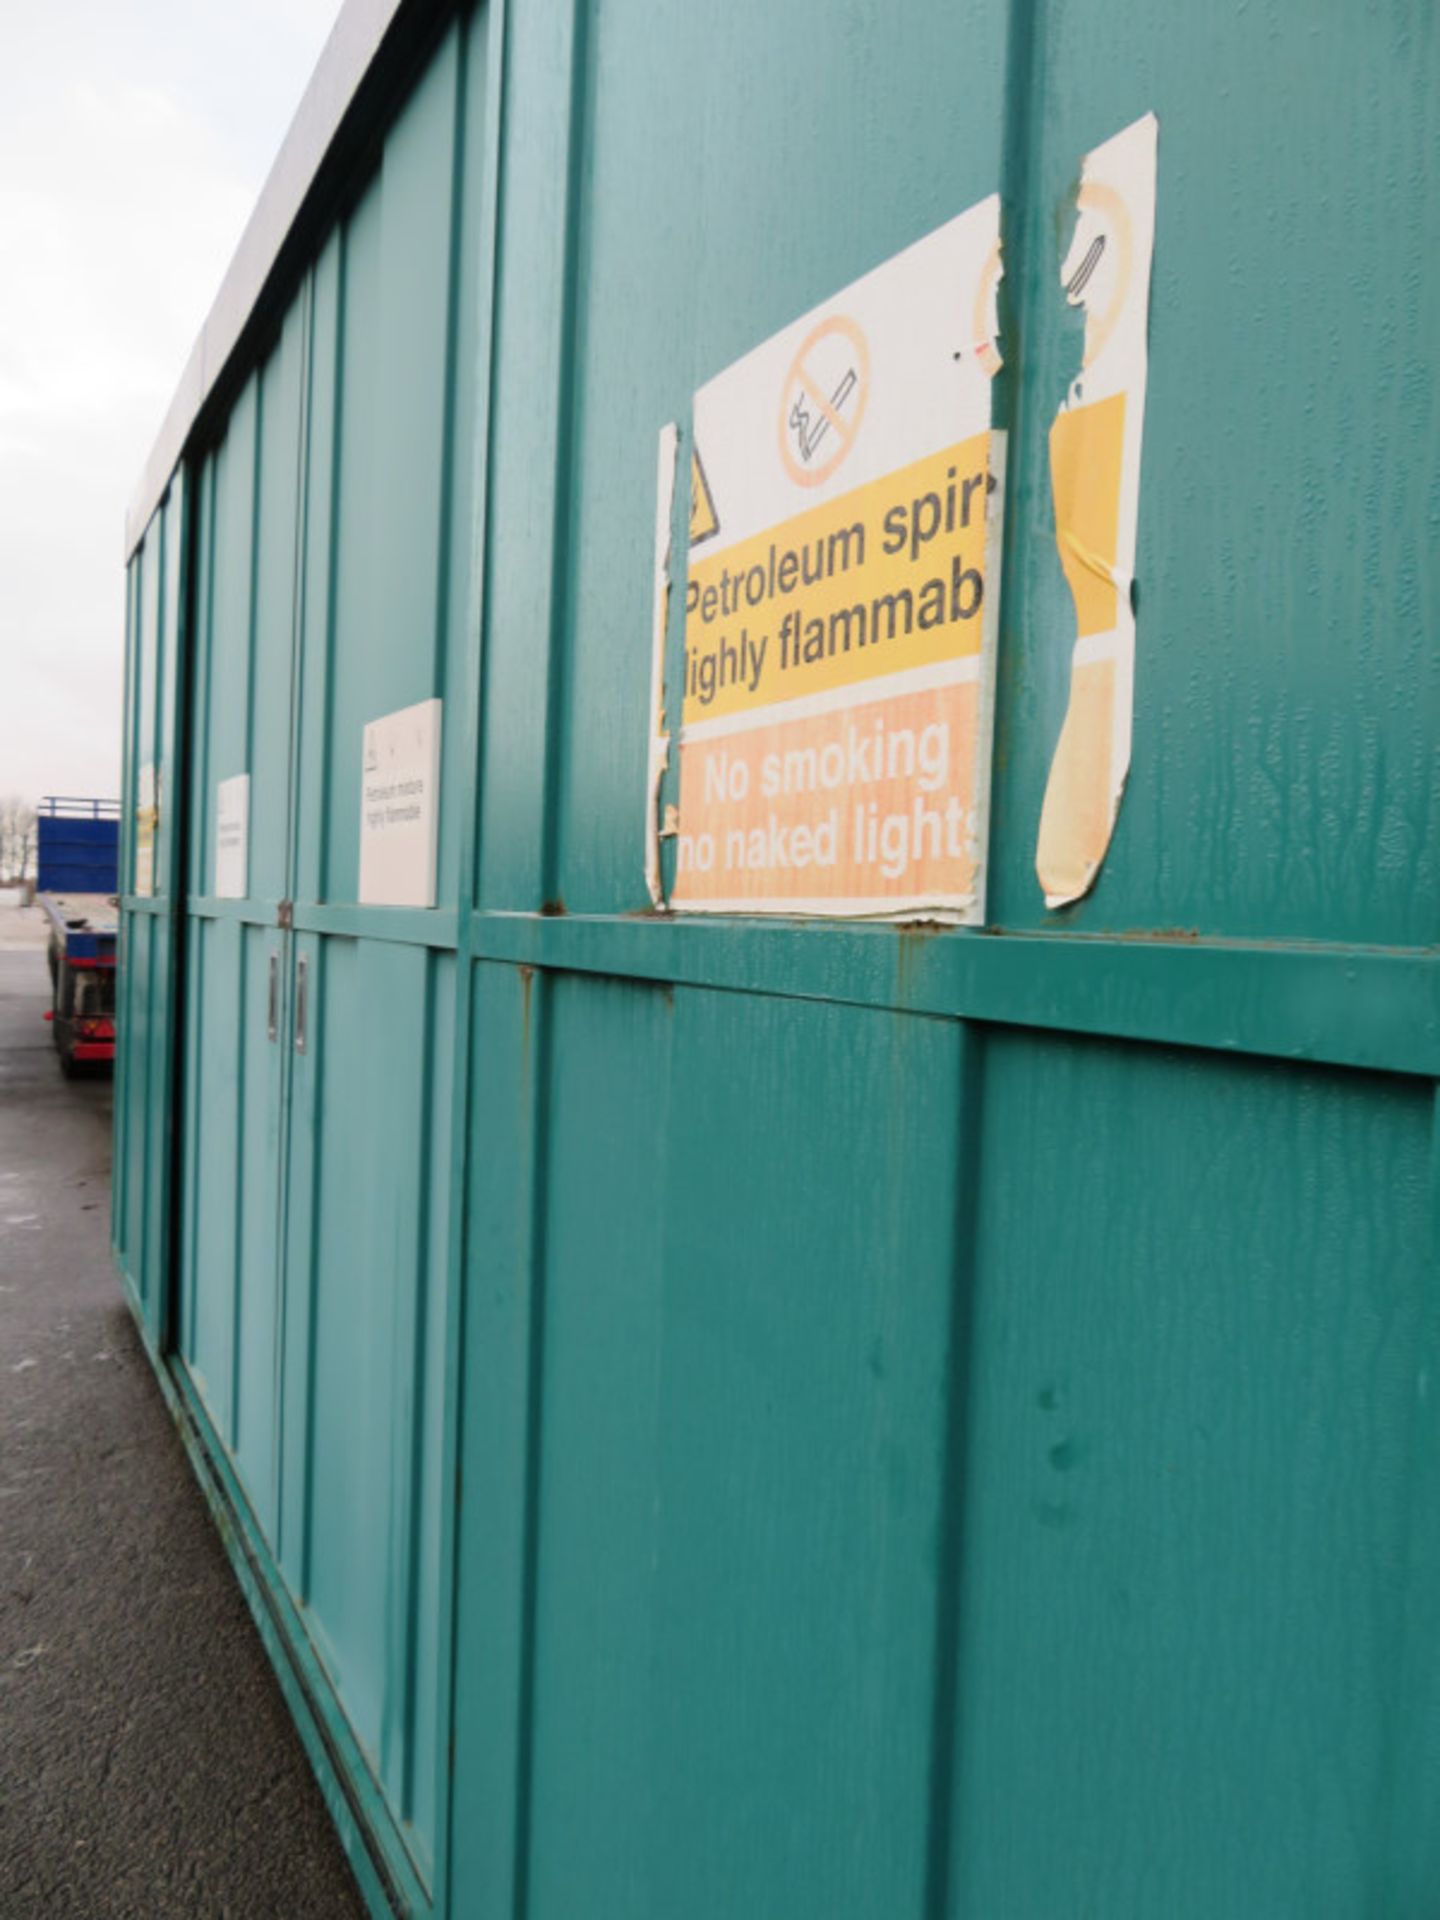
point(913, 934)
point(527, 984)
point(1167, 935)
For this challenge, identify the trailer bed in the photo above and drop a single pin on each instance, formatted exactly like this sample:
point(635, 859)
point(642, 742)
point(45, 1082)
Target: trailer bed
point(81, 920)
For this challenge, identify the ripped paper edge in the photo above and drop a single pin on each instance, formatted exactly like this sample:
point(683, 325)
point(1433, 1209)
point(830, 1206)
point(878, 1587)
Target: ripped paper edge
point(667, 465)
point(1135, 149)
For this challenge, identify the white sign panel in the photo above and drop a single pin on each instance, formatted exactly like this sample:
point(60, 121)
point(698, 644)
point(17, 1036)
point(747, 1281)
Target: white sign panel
point(400, 807)
point(147, 814)
point(232, 837)
point(841, 599)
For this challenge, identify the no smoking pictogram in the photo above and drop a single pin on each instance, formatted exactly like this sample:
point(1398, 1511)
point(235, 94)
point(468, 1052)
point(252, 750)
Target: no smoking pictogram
point(1097, 274)
point(823, 400)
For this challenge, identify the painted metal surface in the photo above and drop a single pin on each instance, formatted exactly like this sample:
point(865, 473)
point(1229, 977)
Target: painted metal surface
point(797, 1419)
point(145, 1005)
point(330, 552)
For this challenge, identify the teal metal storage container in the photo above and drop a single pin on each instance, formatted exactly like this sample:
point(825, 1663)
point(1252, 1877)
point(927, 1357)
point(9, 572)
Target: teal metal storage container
point(803, 1417)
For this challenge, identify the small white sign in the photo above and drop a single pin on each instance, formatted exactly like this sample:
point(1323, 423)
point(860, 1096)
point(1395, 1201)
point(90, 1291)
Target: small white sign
point(400, 807)
point(232, 837)
point(147, 814)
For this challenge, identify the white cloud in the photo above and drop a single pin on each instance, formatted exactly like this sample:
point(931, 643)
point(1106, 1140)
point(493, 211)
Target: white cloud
point(133, 143)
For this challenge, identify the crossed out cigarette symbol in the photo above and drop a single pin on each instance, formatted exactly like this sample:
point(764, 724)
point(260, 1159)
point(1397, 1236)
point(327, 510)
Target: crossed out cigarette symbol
point(823, 400)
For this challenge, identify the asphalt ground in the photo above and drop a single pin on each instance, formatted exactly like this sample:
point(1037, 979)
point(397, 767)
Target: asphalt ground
point(147, 1764)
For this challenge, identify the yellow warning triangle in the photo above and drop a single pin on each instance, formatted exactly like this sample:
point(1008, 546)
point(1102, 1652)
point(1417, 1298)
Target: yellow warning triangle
point(704, 521)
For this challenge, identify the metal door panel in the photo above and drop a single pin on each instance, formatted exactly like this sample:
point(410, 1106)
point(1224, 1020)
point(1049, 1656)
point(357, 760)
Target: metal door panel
point(225, 1003)
point(427, 1719)
point(134, 1027)
point(253, 1434)
point(1202, 1345)
point(388, 339)
point(384, 578)
point(492, 1674)
point(371, 1483)
point(307, 1089)
point(246, 639)
point(134, 1010)
point(316, 571)
point(811, 1216)
point(140, 1221)
point(122, 1226)
point(739, 1391)
point(224, 621)
point(529, 409)
point(605, 1070)
point(272, 630)
point(174, 532)
point(264, 1052)
point(226, 1000)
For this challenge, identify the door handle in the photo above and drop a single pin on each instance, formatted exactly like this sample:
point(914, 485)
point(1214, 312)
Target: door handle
point(302, 995)
point(272, 1004)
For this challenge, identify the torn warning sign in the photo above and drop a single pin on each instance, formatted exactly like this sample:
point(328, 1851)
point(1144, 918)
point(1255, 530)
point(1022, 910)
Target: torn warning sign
point(704, 521)
point(840, 604)
point(667, 455)
point(1095, 444)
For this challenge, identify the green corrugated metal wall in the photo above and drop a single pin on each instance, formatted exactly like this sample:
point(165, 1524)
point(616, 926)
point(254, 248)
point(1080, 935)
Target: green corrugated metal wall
point(748, 1419)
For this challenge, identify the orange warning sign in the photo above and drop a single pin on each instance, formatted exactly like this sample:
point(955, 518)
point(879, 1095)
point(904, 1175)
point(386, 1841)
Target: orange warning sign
point(848, 810)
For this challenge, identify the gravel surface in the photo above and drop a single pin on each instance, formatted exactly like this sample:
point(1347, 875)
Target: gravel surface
point(147, 1763)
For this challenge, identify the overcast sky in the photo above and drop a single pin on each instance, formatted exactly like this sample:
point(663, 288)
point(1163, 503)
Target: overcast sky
point(134, 138)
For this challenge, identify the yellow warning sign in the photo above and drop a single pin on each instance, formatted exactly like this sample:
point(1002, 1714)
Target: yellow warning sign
point(704, 521)
point(885, 579)
point(837, 672)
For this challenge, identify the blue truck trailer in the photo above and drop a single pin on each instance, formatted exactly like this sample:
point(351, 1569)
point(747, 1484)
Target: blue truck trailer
point(77, 872)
